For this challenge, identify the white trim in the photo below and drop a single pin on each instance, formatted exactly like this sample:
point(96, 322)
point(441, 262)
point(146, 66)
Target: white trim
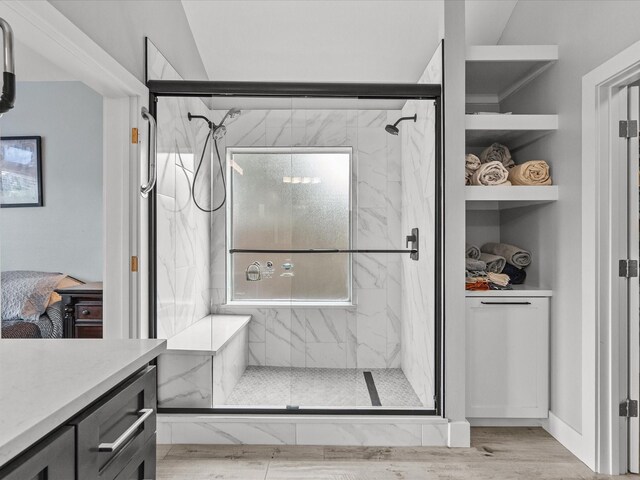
point(566, 435)
point(41, 27)
point(600, 363)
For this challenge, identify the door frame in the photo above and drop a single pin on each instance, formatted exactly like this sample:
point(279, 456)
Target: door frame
point(602, 442)
point(40, 26)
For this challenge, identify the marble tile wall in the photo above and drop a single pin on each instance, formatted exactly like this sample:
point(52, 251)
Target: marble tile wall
point(366, 336)
point(406, 431)
point(184, 234)
point(419, 210)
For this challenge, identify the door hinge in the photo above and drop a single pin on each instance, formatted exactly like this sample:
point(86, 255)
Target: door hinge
point(629, 408)
point(134, 136)
point(628, 268)
point(628, 128)
point(134, 263)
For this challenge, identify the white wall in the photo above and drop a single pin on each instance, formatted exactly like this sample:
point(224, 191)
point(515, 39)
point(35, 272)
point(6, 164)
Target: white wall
point(120, 26)
point(588, 33)
point(66, 234)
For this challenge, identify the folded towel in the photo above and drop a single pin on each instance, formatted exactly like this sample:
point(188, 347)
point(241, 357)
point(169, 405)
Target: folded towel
point(517, 275)
point(475, 265)
point(471, 164)
point(516, 256)
point(497, 153)
point(495, 263)
point(472, 251)
point(499, 279)
point(533, 172)
point(476, 284)
point(492, 173)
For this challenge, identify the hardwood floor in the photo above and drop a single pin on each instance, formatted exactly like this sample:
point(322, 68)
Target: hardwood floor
point(495, 453)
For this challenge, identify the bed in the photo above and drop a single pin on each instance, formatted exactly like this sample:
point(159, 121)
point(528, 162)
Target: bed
point(29, 297)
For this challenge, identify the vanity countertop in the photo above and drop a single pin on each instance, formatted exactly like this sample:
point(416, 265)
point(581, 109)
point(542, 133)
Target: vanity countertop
point(44, 383)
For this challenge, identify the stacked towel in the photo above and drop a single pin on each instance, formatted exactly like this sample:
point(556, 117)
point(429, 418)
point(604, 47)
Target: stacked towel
point(471, 164)
point(497, 153)
point(477, 284)
point(475, 265)
point(495, 263)
point(515, 256)
point(472, 251)
point(533, 172)
point(492, 173)
point(517, 275)
point(499, 279)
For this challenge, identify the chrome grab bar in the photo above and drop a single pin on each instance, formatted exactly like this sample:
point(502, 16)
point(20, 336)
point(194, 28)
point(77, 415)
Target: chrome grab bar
point(8, 97)
point(128, 433)
point(153, 143)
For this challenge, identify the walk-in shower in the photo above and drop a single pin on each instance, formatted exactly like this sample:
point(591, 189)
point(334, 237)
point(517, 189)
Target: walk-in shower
point(313, 285)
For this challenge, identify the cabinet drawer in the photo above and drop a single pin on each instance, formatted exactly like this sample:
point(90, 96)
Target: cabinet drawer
point(507, 359)
point(88, 331)
point(51, 459)
point(110, 434)
point(89, 311)
point(143, 464)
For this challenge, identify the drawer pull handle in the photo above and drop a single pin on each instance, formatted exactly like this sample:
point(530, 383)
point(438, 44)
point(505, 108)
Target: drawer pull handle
point(112, 447)
point(86, 312)
point(506, 303)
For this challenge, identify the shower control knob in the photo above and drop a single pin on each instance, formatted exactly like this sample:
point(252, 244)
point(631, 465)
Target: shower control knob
point(287, 266)
point(269, 264)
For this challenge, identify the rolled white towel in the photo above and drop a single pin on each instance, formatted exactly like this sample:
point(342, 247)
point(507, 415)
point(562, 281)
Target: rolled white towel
point(471, 164)
point(491, 174)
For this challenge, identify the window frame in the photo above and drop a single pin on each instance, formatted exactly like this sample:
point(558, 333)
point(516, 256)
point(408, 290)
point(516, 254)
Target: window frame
point(229, 301)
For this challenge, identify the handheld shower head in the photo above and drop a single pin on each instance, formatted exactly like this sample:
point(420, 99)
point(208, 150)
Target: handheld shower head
point(393, 129)
point(231, 115)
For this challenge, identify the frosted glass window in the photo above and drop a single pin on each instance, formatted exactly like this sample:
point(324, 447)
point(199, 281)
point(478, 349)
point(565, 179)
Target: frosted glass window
point(289, 199)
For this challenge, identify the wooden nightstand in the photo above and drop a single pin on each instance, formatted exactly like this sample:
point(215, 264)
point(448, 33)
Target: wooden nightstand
point(82, 310)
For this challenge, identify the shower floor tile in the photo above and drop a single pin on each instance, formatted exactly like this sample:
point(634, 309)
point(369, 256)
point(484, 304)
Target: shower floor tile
point(321, 387)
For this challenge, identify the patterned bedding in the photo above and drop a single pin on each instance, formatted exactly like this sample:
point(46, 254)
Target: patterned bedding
point(50, 323)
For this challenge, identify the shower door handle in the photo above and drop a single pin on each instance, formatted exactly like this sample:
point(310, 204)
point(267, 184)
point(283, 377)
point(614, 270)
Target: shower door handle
point(153, 143)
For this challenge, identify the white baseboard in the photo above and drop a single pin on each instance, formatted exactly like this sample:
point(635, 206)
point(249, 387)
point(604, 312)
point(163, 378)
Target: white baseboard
point(570, 438)
point(507, 422)
point(459, 434)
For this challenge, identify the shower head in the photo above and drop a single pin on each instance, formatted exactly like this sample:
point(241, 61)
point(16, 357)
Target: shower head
point(219, 132)
point(231, 115)
point(393, 129)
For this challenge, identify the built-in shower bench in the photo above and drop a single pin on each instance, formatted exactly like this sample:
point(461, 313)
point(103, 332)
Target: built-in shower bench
point(203, 363)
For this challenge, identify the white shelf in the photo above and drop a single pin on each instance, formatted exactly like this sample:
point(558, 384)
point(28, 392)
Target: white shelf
point(501, 198)
point(494, 72)
point(518, 291)
point(514, 131)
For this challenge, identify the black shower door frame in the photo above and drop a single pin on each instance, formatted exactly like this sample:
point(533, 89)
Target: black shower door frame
point(371, 91)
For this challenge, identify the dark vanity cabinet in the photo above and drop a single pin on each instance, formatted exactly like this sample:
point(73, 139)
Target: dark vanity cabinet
point(112, 439)
point(52, 459)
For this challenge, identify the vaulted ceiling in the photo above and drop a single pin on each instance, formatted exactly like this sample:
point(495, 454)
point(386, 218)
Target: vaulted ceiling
point(330, 40)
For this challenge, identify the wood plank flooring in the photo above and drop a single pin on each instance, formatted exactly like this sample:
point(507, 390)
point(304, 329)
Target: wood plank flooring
point(495, 454)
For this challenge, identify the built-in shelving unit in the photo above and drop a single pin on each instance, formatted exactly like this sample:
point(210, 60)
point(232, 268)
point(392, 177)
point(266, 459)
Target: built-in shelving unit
point(515, 131)
point(502, 198)
point(494, 73)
